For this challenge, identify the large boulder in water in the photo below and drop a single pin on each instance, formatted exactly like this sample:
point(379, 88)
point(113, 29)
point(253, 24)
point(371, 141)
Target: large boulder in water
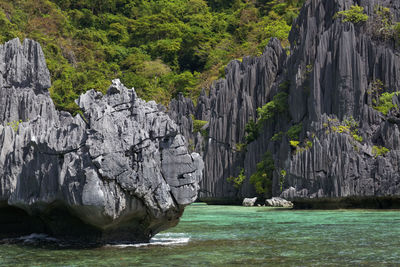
point(249, 202)
point(120, 171)
point(278, 202)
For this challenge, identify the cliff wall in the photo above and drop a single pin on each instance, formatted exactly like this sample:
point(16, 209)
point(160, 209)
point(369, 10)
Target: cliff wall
point(331, 74)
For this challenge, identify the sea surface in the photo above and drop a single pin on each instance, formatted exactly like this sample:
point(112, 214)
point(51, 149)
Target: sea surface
point(238, 236)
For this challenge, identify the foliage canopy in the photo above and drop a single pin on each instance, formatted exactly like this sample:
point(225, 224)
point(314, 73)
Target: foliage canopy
point(161, 48)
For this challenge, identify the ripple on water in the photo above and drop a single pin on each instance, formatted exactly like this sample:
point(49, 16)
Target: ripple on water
point(203, 238)
point(163, 239)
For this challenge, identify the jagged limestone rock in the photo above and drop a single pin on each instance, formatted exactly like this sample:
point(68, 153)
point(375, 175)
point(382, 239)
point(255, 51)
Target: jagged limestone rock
point(328, 75)
point(119, 172)
point(230, 105)
point(346, 60)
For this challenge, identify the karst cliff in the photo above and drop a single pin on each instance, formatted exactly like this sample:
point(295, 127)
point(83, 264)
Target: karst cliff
point(328, 132)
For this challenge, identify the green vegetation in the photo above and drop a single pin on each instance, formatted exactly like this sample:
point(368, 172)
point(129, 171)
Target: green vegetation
point(294, 136)
point(277, 105)
point(198, 124)
point(294, 143)
point(309, 69)
point(357, 138)
point(284, 86)
point(347, 126)
point(306, 145)
point(161, 48)
point(309, 144)
point(382, 23)
point(376, 89)
point(14, 125)
point(191, 146)
point(241, 147)
point(282, 179)
point(396, 33)
point(294, 132)
point(252, 130)
point(262, 178)
point(237, 181)
point(379, 151)
point(385, 103)
point(277, 137)
point(382, 102)
point(355, 15)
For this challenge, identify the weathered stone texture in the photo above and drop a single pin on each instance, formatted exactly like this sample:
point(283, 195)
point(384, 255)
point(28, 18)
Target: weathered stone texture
point(330, 69)
point(119, 172)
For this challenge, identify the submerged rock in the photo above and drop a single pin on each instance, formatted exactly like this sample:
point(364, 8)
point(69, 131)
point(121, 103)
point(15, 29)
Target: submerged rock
point(119, 172)
point(278, 202)
point(249, 202)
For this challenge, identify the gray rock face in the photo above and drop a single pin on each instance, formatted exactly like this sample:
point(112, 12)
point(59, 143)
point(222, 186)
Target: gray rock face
point(121, 172)
point(249, 202)
point(346, 60)
point(180, 110)
point(278, 202)
point(331, 68)
point(232, 102)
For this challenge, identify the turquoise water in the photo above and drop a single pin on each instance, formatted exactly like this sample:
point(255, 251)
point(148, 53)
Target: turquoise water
point(239, 236)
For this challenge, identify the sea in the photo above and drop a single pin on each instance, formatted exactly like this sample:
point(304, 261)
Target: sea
point(235, 236)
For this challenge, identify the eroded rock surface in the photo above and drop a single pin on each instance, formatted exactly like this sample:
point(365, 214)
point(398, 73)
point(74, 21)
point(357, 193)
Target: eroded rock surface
point(278, 202)
point(249, 202)
point(119, 172)
point(231, 103)
point(328, 74)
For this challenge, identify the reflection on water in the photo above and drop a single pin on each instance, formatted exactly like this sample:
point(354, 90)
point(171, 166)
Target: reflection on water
point(239, 236)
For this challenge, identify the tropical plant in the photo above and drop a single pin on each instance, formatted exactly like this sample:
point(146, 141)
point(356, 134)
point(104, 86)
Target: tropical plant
point(379, 151)
point(385, 103)
point(252, 130)
point(294, 132)
point(277, 105)
point(355, 15)
point(237, 181)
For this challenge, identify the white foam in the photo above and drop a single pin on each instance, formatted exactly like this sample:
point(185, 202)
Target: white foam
point(167, 239)
point(33, 237)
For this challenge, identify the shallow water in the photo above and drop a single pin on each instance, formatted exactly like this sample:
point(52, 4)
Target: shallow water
point(239, 236)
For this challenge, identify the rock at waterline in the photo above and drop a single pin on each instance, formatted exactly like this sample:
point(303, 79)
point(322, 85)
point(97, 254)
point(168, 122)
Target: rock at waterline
point(249, 202)
point(119, 172)
point(278, 202)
